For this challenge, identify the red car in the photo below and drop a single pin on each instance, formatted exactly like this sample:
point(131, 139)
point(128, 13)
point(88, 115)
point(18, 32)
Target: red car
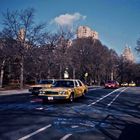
point(111, 84)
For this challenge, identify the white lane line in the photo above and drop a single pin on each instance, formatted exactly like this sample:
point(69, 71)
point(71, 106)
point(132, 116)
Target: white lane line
point(36, 132)
point(66, 137)
point(104, 97)
point(116, 97)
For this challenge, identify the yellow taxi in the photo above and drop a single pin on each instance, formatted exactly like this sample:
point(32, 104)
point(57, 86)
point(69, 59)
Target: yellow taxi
point(64, 89)
point(132, 84)
point(34, 89)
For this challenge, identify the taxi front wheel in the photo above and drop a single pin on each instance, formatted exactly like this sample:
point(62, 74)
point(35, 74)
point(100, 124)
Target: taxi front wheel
point(84, 93)
point(71, 98)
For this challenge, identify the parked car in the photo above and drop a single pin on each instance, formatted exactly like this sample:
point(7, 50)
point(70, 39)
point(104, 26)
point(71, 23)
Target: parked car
point(34, 89)
point(124, 84)
point(111, 84)
point(132, 84)
point(64, 89)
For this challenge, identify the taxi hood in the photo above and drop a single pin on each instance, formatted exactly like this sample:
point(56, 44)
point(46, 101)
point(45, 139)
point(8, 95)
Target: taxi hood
point(56, 89)
point(41, 85)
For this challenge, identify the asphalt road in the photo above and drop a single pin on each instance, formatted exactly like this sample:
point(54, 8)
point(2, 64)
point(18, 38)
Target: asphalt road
point(104, 114)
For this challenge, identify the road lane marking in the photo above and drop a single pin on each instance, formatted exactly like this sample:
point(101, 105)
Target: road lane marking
point(116, 97)
point(36, 132)
point(66, 137)
point(104, 97)
point(74, 126)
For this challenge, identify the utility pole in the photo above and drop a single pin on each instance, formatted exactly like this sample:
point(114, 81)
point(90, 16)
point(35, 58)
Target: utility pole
point(73, 73)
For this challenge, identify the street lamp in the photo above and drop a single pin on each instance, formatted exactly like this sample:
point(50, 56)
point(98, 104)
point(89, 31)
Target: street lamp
point(66, 74)
point(86, 75)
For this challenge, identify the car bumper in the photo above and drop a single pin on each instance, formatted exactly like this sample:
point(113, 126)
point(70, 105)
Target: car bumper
point(124, 85)
point(132, 85)
point(53, 97)
point(35, 92)
point(111, 86)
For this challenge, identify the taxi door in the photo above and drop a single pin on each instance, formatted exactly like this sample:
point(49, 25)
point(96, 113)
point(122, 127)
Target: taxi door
point(78, 89)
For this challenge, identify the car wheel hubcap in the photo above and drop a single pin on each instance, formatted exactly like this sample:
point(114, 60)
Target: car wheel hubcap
point(71, 98)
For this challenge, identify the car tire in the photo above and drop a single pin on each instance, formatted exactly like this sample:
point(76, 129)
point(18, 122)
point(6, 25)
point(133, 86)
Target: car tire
point(71, 98)
point(84, 94)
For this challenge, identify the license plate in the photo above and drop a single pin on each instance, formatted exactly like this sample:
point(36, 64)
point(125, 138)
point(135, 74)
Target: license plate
point(50, 98)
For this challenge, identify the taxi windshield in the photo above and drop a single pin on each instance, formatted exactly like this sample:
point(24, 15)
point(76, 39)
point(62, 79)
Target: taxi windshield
point(45, 81)
point(63, 84)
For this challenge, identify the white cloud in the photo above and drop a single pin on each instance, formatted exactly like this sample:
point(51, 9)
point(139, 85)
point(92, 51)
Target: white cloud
point(68, 19)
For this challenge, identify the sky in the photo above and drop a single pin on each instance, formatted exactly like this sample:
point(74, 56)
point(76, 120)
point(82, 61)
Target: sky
point(116, 21)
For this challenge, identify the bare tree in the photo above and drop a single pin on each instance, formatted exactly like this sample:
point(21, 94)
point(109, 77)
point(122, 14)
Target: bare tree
point(128, 71)
point(20, 26)
point(6, 49)
point(138, 45)
point(87, 55)
point(61, 50)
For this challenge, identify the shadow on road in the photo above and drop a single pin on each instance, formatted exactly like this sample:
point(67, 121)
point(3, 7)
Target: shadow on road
point(130, 132)
point(123, 119)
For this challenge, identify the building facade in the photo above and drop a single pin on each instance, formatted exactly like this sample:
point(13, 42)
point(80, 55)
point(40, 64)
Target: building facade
point(21, 34)
point(85, 32)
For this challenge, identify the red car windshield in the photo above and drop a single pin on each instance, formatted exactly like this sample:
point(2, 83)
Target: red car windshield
point(111, 82)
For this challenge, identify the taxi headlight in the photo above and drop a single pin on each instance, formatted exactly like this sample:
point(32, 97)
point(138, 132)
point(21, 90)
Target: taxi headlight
point(42, 92)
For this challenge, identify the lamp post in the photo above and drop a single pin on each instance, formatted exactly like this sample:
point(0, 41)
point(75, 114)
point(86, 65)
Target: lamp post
point(73, 73)
point(113, 72)
point(60, 71)
point(86, 75)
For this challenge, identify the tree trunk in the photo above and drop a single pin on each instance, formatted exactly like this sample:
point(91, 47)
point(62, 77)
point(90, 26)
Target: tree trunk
point(60, 72)
point(21, 73)
point(73, 73)
point(2, 74)
point(1, 77)
point(112, 75)
point(98, 79)
point(49, 71)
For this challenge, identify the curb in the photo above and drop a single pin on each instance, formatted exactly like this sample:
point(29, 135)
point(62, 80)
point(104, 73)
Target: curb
point(12, 92)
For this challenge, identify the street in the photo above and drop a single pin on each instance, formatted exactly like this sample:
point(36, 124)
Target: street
point(104, 114)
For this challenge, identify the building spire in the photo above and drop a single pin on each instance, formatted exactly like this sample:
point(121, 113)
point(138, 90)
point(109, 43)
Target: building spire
point(127, 54)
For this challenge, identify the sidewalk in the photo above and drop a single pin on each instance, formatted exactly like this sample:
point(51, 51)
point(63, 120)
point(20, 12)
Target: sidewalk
point(12, 92)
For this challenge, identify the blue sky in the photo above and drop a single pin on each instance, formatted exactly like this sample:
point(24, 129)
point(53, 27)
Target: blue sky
point(116, 21)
